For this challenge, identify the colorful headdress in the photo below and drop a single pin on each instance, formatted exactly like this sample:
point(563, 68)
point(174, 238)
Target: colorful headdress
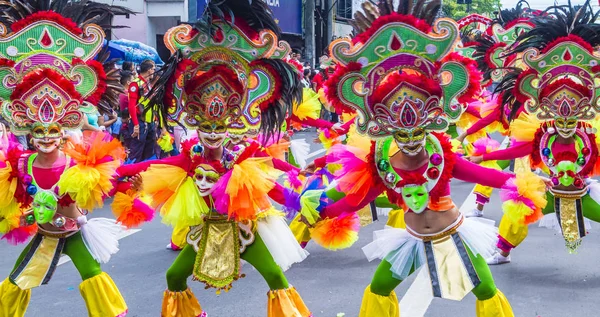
point(492, 49)
point(399, 72)
point(47, 65)
point(561, 79)
point(237, 41)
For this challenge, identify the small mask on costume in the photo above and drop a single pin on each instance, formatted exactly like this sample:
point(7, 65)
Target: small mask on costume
point(415, 197)
point(205, 178)
point(44, 206)
point(566, 172)
point(565, 127)
point(212, 134)
point(47, 139)
point(410, 141)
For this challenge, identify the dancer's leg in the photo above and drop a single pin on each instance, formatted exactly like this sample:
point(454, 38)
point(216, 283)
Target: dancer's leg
point(101, 295)
point(178, 299)
point(379, 298)
point(283, 300)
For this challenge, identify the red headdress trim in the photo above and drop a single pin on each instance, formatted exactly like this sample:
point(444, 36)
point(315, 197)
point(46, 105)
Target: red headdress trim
point(35, 77)
point(569, 38)
point(331, 85)
point(475, 77)
point(46, 16)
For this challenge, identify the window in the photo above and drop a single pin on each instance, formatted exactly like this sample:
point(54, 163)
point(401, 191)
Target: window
point(344, 9)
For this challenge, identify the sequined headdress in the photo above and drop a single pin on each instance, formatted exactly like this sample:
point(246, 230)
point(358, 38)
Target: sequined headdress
point(231, 68)
point(399, 71)
point(562, 73)
point(48, 69)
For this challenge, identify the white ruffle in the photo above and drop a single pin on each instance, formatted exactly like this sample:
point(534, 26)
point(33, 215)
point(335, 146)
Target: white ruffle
point(383, 211)
point(594, 188)
point(100, 236)
point(300, 150)
point(404, 251)
point(280, 241)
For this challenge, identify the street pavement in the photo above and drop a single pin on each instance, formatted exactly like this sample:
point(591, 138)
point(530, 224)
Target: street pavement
point(543, 280)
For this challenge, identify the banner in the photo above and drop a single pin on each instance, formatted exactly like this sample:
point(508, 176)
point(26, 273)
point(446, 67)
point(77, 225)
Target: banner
point(287, 13)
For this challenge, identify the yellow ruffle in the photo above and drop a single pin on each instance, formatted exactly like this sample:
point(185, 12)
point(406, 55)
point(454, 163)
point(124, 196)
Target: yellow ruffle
point(396, 219)
point(497, 306)
point(165, 142)
point(13, 300)
point(186, 207)
point(180, 304)
point(380, 306)
point(176, 194)
point(7, 188)
point(286, 303)
point(310, 107)
point(465, 121)
point(524, 127)
point(357, 140)
point(10, 217)
point(512, 232)
point(102, 297)
point(88, 185)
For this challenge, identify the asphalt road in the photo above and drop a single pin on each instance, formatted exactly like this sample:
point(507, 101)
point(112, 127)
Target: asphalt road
point(543, 279)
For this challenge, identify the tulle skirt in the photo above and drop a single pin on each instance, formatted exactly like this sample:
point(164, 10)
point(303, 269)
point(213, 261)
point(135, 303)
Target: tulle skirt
point(404, 251)
point(100, 236)
point(280, 241)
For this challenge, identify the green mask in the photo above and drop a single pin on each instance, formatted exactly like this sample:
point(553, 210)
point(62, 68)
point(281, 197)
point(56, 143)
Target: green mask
point(566, 171)
point(415, 197)
point(44, 206)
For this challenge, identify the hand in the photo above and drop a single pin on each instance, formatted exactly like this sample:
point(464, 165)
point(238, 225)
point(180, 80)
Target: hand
point(317, 140)
point(305, 221)
point(338, 128)
point(309, 169)
point(461, 138)
point(137, 182)
point(547, 181)
point(474, 159)
point(113, 115)
point(136, 131)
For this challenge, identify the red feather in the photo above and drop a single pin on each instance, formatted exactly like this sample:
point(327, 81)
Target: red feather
point(46, 16)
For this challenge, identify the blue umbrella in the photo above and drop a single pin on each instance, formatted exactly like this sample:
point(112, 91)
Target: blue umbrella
point(132, 51)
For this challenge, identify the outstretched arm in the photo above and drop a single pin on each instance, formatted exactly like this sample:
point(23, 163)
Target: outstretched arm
point(473, 173)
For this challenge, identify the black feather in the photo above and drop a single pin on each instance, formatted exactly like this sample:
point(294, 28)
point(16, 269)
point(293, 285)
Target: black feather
point(561, 21)
point(156, 95)
point(256, 13)
point(273, 115)
point(505, 88)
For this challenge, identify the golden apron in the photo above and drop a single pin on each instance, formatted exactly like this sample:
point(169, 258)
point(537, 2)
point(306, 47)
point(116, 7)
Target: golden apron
point(452, 273)
point(41, 259)
point(569, 212)
point(218, 243)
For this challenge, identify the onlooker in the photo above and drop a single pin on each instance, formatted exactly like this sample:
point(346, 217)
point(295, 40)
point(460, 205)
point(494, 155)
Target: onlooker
point(141, 128)
point(130, 67)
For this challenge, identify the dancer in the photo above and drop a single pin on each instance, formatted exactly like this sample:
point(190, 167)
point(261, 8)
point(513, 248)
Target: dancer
point(557, 135)
point(491, 50)
point(406, 109)
point(47, 193)
point(221, 194)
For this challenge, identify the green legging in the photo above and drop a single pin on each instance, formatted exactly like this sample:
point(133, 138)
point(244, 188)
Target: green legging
point(383, 282)
point(591, 209)
point(75, 248)
point(256, 254)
